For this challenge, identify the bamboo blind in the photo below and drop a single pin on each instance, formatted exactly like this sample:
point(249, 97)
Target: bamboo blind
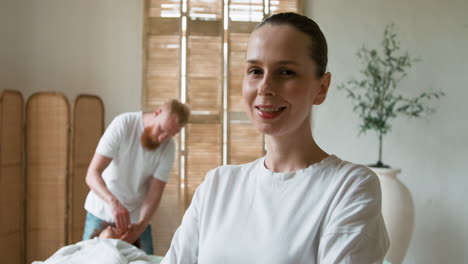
point(205, 9)
point(204, 70)
point(87, 129)
point(238, 47)
point(168, 215)
point(47, 139)
point(242, 10)
point(244, 144)
point(11, 177)
point(163, 8)
point(203, 153)
point(162, 79)
point(284, 6)
point(162, 69)
point(162, 52)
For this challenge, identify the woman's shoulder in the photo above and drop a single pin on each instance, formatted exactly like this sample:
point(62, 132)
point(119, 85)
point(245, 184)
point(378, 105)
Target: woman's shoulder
point(351, 173)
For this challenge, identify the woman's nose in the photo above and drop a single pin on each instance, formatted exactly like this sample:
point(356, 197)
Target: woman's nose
point(266, 86)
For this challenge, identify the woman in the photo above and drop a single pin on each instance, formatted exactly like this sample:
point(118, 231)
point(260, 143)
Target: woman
point(297, 204)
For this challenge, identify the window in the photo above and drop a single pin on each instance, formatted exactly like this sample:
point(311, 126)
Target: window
point(194, 51)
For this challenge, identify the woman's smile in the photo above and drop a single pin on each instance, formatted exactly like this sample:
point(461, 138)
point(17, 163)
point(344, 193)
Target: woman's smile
point(269, 111)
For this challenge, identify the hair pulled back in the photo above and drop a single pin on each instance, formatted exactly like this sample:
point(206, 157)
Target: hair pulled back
point(318, 50)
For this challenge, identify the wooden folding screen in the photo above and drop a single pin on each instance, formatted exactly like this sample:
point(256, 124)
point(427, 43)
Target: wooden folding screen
point(47, 151)
point(87, 129)
point(11, 177)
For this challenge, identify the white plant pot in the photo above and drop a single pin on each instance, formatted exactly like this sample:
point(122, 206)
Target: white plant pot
point(398, 213)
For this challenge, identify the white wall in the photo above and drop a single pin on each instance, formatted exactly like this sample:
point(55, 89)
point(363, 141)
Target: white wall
point(9, 39)
point(432, 153)
point(84, 46)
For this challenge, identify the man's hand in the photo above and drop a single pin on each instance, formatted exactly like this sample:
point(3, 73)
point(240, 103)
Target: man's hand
point(121, 216)
point(133, 233)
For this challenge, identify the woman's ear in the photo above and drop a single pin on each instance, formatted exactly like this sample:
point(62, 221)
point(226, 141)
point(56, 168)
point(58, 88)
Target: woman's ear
point(323, 89)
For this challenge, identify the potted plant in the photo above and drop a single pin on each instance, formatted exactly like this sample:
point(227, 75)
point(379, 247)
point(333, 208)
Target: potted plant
point(377, 100)
point(375, 96)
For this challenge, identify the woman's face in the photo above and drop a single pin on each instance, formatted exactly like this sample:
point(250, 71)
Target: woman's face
point(280, 82)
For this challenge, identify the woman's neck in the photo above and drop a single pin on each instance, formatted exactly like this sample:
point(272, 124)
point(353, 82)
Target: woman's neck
point(292, 152)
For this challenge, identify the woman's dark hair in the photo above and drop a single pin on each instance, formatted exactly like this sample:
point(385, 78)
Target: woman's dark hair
point(318, 44)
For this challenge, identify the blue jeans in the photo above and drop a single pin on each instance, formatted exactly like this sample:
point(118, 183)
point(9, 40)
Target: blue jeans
point(93, 223)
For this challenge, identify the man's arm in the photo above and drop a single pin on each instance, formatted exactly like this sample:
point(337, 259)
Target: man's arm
point(150, 204)
point(95, 182)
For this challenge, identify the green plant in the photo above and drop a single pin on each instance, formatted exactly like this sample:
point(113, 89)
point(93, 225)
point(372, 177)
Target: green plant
point(375, 96)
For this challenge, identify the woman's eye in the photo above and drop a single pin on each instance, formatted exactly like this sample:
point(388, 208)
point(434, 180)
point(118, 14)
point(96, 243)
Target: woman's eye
point(287, 72)
point(255, 71)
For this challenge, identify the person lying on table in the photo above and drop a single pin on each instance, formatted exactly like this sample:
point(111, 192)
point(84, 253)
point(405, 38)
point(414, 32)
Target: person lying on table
point(104, 247)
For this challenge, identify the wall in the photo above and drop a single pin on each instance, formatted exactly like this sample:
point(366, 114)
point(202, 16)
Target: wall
point(431, 152)
point(78, 47)
point(9, 39)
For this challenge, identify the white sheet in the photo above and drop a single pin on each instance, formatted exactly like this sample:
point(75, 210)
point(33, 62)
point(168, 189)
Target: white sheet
point(98, 251)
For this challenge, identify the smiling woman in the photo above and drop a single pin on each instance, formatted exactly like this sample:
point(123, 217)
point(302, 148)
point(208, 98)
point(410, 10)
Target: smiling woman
point(307, 205)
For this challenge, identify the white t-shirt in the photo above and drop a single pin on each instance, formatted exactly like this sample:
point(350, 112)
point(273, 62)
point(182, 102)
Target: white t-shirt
point(131, 168)
point(327, 213)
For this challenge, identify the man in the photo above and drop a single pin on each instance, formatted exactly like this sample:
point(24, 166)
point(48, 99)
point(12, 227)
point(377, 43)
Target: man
point(129, 171)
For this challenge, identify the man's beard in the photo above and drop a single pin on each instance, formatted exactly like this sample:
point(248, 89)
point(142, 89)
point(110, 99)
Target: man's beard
point(148, 142)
